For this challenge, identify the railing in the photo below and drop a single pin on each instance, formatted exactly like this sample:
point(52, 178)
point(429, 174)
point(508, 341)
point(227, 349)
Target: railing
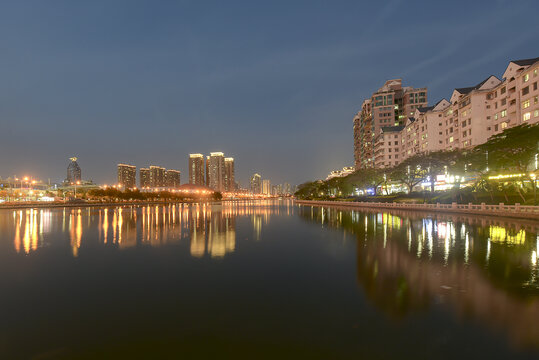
point(500, 209)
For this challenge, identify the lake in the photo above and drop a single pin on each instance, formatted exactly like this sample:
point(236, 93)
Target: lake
point(266, 279)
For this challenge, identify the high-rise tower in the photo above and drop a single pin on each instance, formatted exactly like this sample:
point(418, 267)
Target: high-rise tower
point(74, 172)
point(216, 170)
point(127, 176)
point(230, 183)
point(196, 169)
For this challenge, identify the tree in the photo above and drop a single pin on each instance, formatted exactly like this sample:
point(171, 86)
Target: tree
point(409, 173)
point(435, 163)
point(513, 151)
point(309, 189)
point(367, 178)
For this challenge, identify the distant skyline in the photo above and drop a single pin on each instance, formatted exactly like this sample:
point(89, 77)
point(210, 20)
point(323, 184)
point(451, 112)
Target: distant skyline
point(273, 84)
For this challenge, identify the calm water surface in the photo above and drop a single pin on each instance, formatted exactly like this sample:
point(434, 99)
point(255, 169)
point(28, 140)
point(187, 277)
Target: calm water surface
point(265, 280)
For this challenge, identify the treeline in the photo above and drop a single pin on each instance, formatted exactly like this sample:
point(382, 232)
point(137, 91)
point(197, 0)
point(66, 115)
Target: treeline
point(112, 194)
point(502, 169)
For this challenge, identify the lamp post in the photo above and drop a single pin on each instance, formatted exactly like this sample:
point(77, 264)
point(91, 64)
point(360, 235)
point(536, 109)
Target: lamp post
point(76, 183)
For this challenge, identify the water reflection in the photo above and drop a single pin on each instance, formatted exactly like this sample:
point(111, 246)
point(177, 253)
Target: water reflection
point(483, 269)
point(210, 229)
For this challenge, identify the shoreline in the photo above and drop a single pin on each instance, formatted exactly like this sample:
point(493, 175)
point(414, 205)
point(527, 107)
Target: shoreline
point(17, 206)
point(55, 205)
point(501, 210)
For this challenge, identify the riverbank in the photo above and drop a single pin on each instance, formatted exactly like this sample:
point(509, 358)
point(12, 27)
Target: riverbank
point(50, 205)
point(501, 210)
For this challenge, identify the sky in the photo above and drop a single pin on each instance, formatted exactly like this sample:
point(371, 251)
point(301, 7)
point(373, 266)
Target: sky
point(274, 84)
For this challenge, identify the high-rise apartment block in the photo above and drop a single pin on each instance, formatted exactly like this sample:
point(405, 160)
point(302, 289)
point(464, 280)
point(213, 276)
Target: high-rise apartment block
point(229, 179)
point(127, 176)
point(266, 187)
point(469, 118)
point(196, 169)
point(207, 171)
point(145, 181)
point(157, 176)
point(216, 169)
point(172, 179)
point(389, 106)
point(256, 184)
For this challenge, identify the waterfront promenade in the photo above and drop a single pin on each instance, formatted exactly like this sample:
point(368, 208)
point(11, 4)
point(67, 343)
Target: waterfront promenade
point(512, 211)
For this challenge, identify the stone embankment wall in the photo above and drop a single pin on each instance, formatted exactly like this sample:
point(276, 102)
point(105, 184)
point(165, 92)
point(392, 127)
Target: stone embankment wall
point(513, 211)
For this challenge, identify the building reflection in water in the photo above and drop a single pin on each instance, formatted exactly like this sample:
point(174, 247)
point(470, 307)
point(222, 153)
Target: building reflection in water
point(29, 227)
point(480, 268)
point(209, 229)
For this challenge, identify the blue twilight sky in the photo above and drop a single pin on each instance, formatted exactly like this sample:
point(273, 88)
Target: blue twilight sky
point(275, 84)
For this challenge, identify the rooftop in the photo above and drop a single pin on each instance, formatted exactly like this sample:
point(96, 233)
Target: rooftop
point(525, 62)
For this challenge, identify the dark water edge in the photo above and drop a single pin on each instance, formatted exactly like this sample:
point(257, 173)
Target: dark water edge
point(264, 280)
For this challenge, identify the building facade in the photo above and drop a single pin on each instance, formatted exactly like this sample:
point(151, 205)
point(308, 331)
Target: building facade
point(207, 171)
point(216, 169)
point(266, 187)
point(145, 181)
point(127, 176)
point(172, 179)
point(471, 116)
point(74, 172)
point(196, 169)
point(256, 184)
point(387, 147)
point(157, 176)
point(391, 105)
point(229, 179)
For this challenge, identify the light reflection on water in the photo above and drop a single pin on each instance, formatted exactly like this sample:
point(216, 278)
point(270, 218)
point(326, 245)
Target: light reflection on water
point(210, 228)
point(484, 269)
point(408, 265)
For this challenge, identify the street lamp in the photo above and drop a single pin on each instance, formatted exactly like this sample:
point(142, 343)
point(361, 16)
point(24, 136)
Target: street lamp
point(76, 183)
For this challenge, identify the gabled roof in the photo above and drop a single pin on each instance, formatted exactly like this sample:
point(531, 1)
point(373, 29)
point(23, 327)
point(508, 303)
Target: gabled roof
point(467, 90)
point(525, 62)
point(392, 128)
point(425, 109)
point(511, 70)
point(441, 105)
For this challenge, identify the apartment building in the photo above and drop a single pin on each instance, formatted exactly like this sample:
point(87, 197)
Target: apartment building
point(471, 116)
point(196, 169)
point(127, 176)
point(390, 106)
point(172, 179)
point(388, 147)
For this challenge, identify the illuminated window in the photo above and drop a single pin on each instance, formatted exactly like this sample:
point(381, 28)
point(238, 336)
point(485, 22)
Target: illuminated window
point(526, 78)
point(527, 116)
point(504, 113)
point(451, 139)
point(536, 113)
point(525, 104)
point(504, 125)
